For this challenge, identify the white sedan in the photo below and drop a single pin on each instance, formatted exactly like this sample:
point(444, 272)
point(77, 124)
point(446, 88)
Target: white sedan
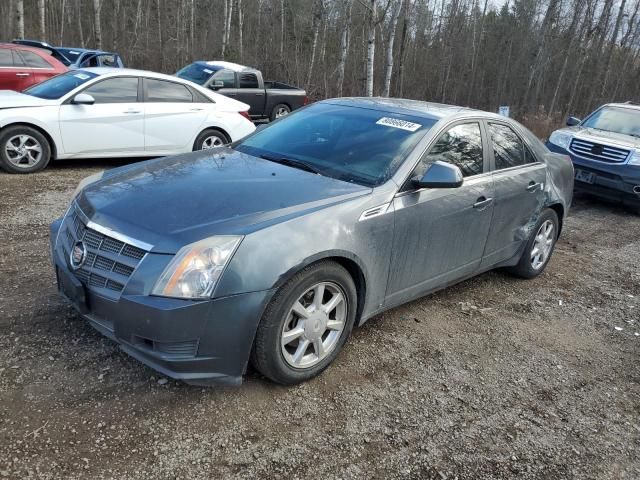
point(103, 112)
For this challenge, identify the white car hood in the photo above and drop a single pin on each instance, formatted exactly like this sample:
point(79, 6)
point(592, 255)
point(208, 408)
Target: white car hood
point(11, 99)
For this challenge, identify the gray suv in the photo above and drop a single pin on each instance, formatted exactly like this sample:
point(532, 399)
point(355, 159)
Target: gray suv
point(605, 150)
point(271, 250)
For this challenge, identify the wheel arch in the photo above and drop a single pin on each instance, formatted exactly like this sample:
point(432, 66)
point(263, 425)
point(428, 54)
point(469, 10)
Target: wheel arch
point(211, 127)
point(350, 262)
point(559, 209)
point(47, 135)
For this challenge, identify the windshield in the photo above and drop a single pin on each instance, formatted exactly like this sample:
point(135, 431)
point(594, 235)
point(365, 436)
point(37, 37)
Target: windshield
point(71, 54)
point(615, 119)
point(196, 72)
point(354, 144)
point(60, 85)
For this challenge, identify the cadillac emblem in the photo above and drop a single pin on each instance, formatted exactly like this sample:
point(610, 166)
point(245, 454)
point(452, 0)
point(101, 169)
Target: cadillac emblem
point(78, 255)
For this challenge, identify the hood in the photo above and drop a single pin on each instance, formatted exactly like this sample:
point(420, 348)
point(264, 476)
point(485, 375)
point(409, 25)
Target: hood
point(602, 136)
point(11, 99)
point(173, 201)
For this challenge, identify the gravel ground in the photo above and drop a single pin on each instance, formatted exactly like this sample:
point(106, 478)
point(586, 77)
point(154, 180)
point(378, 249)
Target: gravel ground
point(493, 378)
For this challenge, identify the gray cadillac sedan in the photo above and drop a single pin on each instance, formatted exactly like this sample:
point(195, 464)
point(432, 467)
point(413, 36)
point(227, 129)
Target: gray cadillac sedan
point(271, 249)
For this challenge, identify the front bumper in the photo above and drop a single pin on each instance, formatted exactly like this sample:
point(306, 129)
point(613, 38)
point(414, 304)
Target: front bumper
point(199, 342)
point(610, 181)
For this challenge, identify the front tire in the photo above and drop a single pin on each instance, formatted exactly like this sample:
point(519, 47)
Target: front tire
point(306, 324)
point(23, 150)
point(540, 245)
point(210, 138)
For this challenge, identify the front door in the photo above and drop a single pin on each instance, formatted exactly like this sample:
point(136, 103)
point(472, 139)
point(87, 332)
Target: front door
point(113, 125)
point(519, 182)
point(440, 234)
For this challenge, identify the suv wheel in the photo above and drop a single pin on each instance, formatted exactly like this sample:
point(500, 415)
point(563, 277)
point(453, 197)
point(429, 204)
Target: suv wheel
point(306, 324)
point(23, 150)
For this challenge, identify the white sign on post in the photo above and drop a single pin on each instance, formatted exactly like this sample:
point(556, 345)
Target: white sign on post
point(503, 110)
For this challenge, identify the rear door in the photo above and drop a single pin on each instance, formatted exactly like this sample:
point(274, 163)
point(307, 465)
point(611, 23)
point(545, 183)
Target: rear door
point(519, 181)
point(38, 68)
point(440, 233)
point(173, 116)
point(250, 92)
point(114, 125)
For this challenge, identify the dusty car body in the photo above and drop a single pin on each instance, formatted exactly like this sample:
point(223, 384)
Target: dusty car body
point(396, 237)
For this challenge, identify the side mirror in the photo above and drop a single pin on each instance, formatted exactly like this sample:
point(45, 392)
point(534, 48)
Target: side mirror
point(83, 99)
point(216, 85)
point(440, 175)
point(573, 121)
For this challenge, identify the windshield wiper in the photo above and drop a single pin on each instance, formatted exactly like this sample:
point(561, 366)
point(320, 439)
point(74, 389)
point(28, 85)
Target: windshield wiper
point(292, 162)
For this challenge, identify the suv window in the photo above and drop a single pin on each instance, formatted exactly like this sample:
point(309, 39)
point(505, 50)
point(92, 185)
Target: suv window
point(165, 91)
point(508, 149)
point(225, 76)
point(249, 80)
point(33, 60)
point(115, 90)
point(460, 146)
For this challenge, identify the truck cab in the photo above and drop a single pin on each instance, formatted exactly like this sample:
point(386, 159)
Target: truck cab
point(267, 99)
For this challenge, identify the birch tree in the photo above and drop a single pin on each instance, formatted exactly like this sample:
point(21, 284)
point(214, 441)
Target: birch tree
point(392, 36)
point(97, 23)
point(20, 18)
point(42, 8)
point(344, 44)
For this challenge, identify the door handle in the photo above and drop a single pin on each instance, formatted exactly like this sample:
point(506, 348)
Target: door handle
point(196, 109)
point(482, 203)
point(533, 186)
point(129, 112)
point(23, 74)
point(259, 94)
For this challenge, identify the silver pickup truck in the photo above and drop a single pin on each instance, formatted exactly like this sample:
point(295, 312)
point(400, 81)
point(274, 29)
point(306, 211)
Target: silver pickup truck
point(267, 99)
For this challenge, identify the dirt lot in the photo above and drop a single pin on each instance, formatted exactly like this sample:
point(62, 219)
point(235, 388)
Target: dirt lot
point(493, 378)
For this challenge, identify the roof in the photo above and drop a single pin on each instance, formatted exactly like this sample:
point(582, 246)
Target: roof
point(630, 104)
point(221, 65)
point(406, 106)
point(102, 71)
point(25, 47)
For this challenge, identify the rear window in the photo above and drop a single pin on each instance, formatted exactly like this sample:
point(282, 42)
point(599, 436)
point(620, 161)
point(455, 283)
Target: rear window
point(6, 57)
point(249, 80)
point(164, 91)
point(33, 60)
point(353, 144)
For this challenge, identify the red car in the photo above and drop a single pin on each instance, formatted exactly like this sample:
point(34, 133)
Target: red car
point(21, 67)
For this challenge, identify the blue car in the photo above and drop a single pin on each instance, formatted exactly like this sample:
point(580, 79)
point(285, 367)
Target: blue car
point(77, 57)
point(605, 151)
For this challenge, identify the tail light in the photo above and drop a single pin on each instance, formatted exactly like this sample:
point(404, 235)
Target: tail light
point(245, 115)
point(306, 100)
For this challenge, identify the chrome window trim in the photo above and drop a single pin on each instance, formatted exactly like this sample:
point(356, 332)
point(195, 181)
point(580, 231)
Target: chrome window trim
point(112, 233)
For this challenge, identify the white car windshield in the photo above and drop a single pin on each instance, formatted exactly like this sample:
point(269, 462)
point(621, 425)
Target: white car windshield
point(615, 119)
point(60, 85)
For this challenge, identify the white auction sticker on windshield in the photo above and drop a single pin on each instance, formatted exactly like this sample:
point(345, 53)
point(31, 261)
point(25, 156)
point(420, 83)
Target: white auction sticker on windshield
point(206, 70)
point(397, 123)
point(81, 76)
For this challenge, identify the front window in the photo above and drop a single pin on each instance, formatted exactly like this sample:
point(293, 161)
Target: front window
point(115, 90)
point(615, 119)
point(58, 86)
point(196, 72)
point(359, 145)
point(461, 146)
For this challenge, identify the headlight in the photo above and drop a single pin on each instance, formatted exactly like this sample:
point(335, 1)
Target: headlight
point(635, 158)
point(560, 139)
point(196, 268)
point(87, 181)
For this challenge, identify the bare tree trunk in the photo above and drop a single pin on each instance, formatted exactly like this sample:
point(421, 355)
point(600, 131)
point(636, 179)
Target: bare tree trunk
point(344, 45)
point(228, 25)
point(20, 18)
point(392, 36)
point(96, 23)
point(240, 21)
point(42, 18)
point(224, 28)
point(609, 55)
point(317, 18)
point(192, 25)
point(79, 18)
point(371, 47)
point(282, 30)
point(403, 46)
point(62, 17)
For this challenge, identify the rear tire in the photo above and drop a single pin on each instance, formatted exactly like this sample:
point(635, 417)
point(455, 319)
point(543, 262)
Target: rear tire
point(280, 110)
point(23, 149)
point(539, 248)
point(210, 138)
point(302, 330)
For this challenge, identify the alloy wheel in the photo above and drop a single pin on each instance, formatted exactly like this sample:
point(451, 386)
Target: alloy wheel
point(314, 325)
point(542, 245)
point(23, 151)
point(212, 141)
